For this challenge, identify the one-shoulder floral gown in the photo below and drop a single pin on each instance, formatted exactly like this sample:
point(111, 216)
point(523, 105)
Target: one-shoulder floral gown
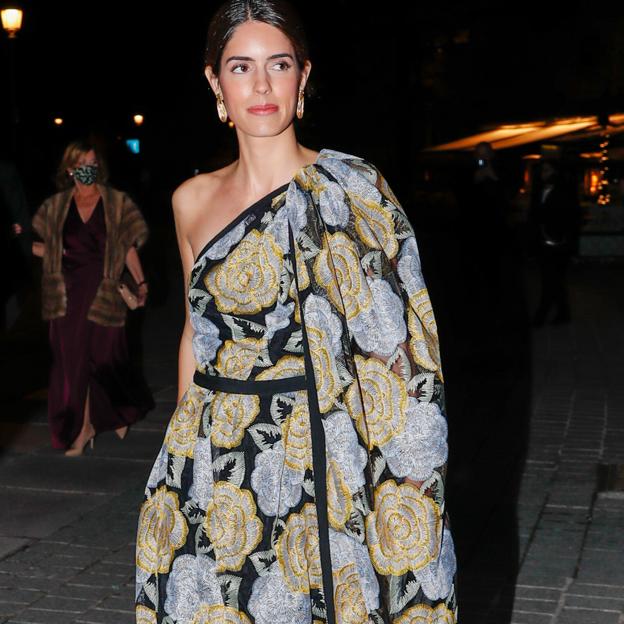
point(235, 527)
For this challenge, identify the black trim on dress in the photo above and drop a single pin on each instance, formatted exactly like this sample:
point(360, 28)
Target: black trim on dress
point(319, 464)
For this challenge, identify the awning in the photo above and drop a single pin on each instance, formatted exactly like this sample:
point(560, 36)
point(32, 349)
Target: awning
point(510, 135)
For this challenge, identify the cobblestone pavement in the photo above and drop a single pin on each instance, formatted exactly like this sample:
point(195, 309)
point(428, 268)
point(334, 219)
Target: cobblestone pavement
point(67, 526)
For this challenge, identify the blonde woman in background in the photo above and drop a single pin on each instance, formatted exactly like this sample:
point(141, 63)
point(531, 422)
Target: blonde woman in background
point(88, 231)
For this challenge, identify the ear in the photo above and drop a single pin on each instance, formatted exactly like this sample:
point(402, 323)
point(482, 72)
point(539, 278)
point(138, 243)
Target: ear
point(212, 78)
point(305, 74)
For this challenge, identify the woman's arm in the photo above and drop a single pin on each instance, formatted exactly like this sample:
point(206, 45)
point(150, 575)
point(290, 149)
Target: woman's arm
point(38, 225)
point(186, 359)
point(133, 262)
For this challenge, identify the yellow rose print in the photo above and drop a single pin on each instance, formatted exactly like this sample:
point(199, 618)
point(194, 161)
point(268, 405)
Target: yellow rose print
point(327, 381)
point(338, 270)
point(383, 413)
point(145, 615)
point(403, 531)
point(231, 414)
point(287, 366)
point(423, 344)
point(219, 613)
point(162, 529)
point(232, 525)
point(348, 598)
point(297, 551)
point(235, 359)
point(375, 226)
point(248, 279)
point(311, 180)
point(424, 614)
point(182, 430)
point(421, 303)
point(296, 435)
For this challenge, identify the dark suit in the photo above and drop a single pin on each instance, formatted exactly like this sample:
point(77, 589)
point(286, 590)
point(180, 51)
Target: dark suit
point(555, 222)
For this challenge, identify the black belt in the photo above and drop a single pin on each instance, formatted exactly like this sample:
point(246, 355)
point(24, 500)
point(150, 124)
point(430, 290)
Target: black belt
point(249, 386)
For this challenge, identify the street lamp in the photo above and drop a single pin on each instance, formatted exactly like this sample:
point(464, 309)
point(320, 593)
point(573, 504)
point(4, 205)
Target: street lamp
point(12, 23)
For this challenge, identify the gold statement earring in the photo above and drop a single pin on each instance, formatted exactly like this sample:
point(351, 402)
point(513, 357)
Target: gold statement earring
point(221, 108)
point(300, 104)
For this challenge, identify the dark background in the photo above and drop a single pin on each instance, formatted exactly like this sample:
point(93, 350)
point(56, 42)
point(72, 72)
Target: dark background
point(389, 79)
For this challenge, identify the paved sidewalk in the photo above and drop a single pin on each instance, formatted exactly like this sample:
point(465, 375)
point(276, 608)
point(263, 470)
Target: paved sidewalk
point(571, 532)
point(67, 526)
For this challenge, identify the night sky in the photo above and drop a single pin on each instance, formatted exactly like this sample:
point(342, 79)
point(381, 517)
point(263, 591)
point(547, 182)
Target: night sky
point(387, 82)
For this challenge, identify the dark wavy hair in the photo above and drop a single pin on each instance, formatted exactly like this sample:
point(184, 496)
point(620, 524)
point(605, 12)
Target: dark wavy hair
point(233, 13)
point(71, 155)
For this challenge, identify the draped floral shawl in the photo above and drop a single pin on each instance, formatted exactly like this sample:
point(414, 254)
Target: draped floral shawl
point(372, 350)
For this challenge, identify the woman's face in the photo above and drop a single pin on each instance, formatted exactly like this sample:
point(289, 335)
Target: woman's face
point(85, 158)
point(259, 79)
point(85, 169)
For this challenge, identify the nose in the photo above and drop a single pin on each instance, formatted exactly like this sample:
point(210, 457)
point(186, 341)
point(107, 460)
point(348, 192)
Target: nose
point(262, 84)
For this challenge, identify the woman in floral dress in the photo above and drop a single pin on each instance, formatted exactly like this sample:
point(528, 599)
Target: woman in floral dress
point(301, 477)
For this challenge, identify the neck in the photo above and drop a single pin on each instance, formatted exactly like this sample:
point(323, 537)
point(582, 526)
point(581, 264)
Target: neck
point(85, 190)
point(265, 163)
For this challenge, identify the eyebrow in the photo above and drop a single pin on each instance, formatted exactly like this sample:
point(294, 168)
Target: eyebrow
point(273, 56)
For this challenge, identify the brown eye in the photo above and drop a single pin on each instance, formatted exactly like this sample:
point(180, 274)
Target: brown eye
point(282, 65)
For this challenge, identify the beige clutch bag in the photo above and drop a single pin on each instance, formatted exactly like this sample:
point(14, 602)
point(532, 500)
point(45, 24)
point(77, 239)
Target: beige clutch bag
point(128, 290)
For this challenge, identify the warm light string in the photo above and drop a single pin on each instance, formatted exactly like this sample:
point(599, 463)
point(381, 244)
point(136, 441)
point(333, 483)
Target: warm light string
point(604, 197)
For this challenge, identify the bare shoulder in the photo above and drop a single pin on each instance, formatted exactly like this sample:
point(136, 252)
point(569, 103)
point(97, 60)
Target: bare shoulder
point(195, 194)
point(191, 193)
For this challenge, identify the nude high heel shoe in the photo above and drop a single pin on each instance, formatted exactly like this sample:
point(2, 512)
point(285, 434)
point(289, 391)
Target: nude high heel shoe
point(79, 445)
point(122, 432)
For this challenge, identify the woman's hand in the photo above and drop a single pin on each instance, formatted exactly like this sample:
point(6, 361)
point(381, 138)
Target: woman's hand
point(38, 249)
point(142, 294)
point(134, 266)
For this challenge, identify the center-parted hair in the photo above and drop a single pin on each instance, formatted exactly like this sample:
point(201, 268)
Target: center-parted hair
point(233, 13)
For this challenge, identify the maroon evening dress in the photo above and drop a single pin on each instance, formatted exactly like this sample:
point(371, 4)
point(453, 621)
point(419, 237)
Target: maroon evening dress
point(87, 355)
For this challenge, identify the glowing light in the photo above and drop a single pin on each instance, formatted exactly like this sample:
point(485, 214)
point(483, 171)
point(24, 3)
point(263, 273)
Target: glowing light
point(12, 21)
point(490, 136)
point(591, 181)
point(230, 124)
point(526, 179)
point(134, 145)
point(58, 121)
point(514, 135)
point(604, 197)
point(138, 119)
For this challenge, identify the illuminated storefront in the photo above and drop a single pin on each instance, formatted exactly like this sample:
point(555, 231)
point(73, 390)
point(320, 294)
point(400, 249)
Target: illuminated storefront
point(597, 152)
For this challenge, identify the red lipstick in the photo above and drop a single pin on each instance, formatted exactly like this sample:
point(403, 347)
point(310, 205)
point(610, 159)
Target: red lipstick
point(264, 109)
